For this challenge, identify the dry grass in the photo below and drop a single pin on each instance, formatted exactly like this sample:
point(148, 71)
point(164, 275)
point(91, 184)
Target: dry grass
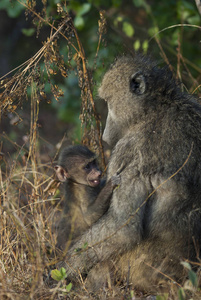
point(29, 209)
point(27, 212)
point(30, 206)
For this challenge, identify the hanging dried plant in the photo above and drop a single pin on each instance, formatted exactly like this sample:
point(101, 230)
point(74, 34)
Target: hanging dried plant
point(14, 85)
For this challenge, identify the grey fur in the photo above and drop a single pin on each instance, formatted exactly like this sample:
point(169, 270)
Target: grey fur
point(152, 128)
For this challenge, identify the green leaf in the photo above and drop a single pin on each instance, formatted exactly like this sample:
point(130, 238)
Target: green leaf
point(185, 14)
point(85, 245)
point(132, 294)
point(13, 9)
point(175, 35)
point(138, 3)
point(79, 22)
point(145, 46)
point(162, 297)
point(193, 278)
point(186, 265)
point(63, 272)
point(181, 294)
point(136, 45)
point(117, 20)
point(116, 3)
point(128, 29)
point(153, 30)
point(58, 274)
point(83, 9)
point(69, 287)
point(195, 20)
point(78, 250)
point(28, 31)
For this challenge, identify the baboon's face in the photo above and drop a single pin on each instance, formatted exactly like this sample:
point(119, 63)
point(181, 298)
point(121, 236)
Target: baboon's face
point(81, 170)
point(123, 88)
point(111, 133)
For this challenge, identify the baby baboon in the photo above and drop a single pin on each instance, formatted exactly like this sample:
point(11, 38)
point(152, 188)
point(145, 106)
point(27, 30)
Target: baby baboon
point(154, 219)
point(86, 197)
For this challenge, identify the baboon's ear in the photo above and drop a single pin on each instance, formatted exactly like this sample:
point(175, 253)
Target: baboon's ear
point(138, 84)
point(62, 174)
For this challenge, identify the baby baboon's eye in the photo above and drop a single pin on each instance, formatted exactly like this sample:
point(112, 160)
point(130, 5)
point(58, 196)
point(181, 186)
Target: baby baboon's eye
point(87, 167)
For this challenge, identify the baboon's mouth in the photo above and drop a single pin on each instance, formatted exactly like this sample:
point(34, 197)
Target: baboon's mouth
point(94, 182)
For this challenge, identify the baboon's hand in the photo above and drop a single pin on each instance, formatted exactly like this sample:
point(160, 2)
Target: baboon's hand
point(116, 180)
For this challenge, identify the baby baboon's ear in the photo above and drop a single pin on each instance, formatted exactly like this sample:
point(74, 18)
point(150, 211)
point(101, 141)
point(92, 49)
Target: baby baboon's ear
point(62, 174)
point(138, 84)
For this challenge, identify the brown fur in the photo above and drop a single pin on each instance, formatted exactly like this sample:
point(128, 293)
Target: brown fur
point(87, 197)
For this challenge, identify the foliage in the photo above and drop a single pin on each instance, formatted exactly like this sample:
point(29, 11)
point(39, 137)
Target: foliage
point(162, 297)
point(13, 10)
point(134, 24)
point(53, 63)
point(60, 275)
point(84, 247)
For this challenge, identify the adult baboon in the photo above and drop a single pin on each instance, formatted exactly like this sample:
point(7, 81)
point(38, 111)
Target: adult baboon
point(87, 197)
point(155, 132)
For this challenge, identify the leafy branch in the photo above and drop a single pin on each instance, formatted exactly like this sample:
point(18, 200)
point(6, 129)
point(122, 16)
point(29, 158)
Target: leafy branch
point(14, 88)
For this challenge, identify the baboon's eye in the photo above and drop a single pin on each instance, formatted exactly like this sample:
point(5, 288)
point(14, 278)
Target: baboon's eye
point(138, 84)
point(87, 167)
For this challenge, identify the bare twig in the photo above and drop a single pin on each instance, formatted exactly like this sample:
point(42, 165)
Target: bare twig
point(198, 3)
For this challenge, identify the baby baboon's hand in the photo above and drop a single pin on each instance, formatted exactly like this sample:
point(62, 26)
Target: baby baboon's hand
point(116, 180)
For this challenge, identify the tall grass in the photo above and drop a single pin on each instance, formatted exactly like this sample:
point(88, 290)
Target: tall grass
point(27, 216)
